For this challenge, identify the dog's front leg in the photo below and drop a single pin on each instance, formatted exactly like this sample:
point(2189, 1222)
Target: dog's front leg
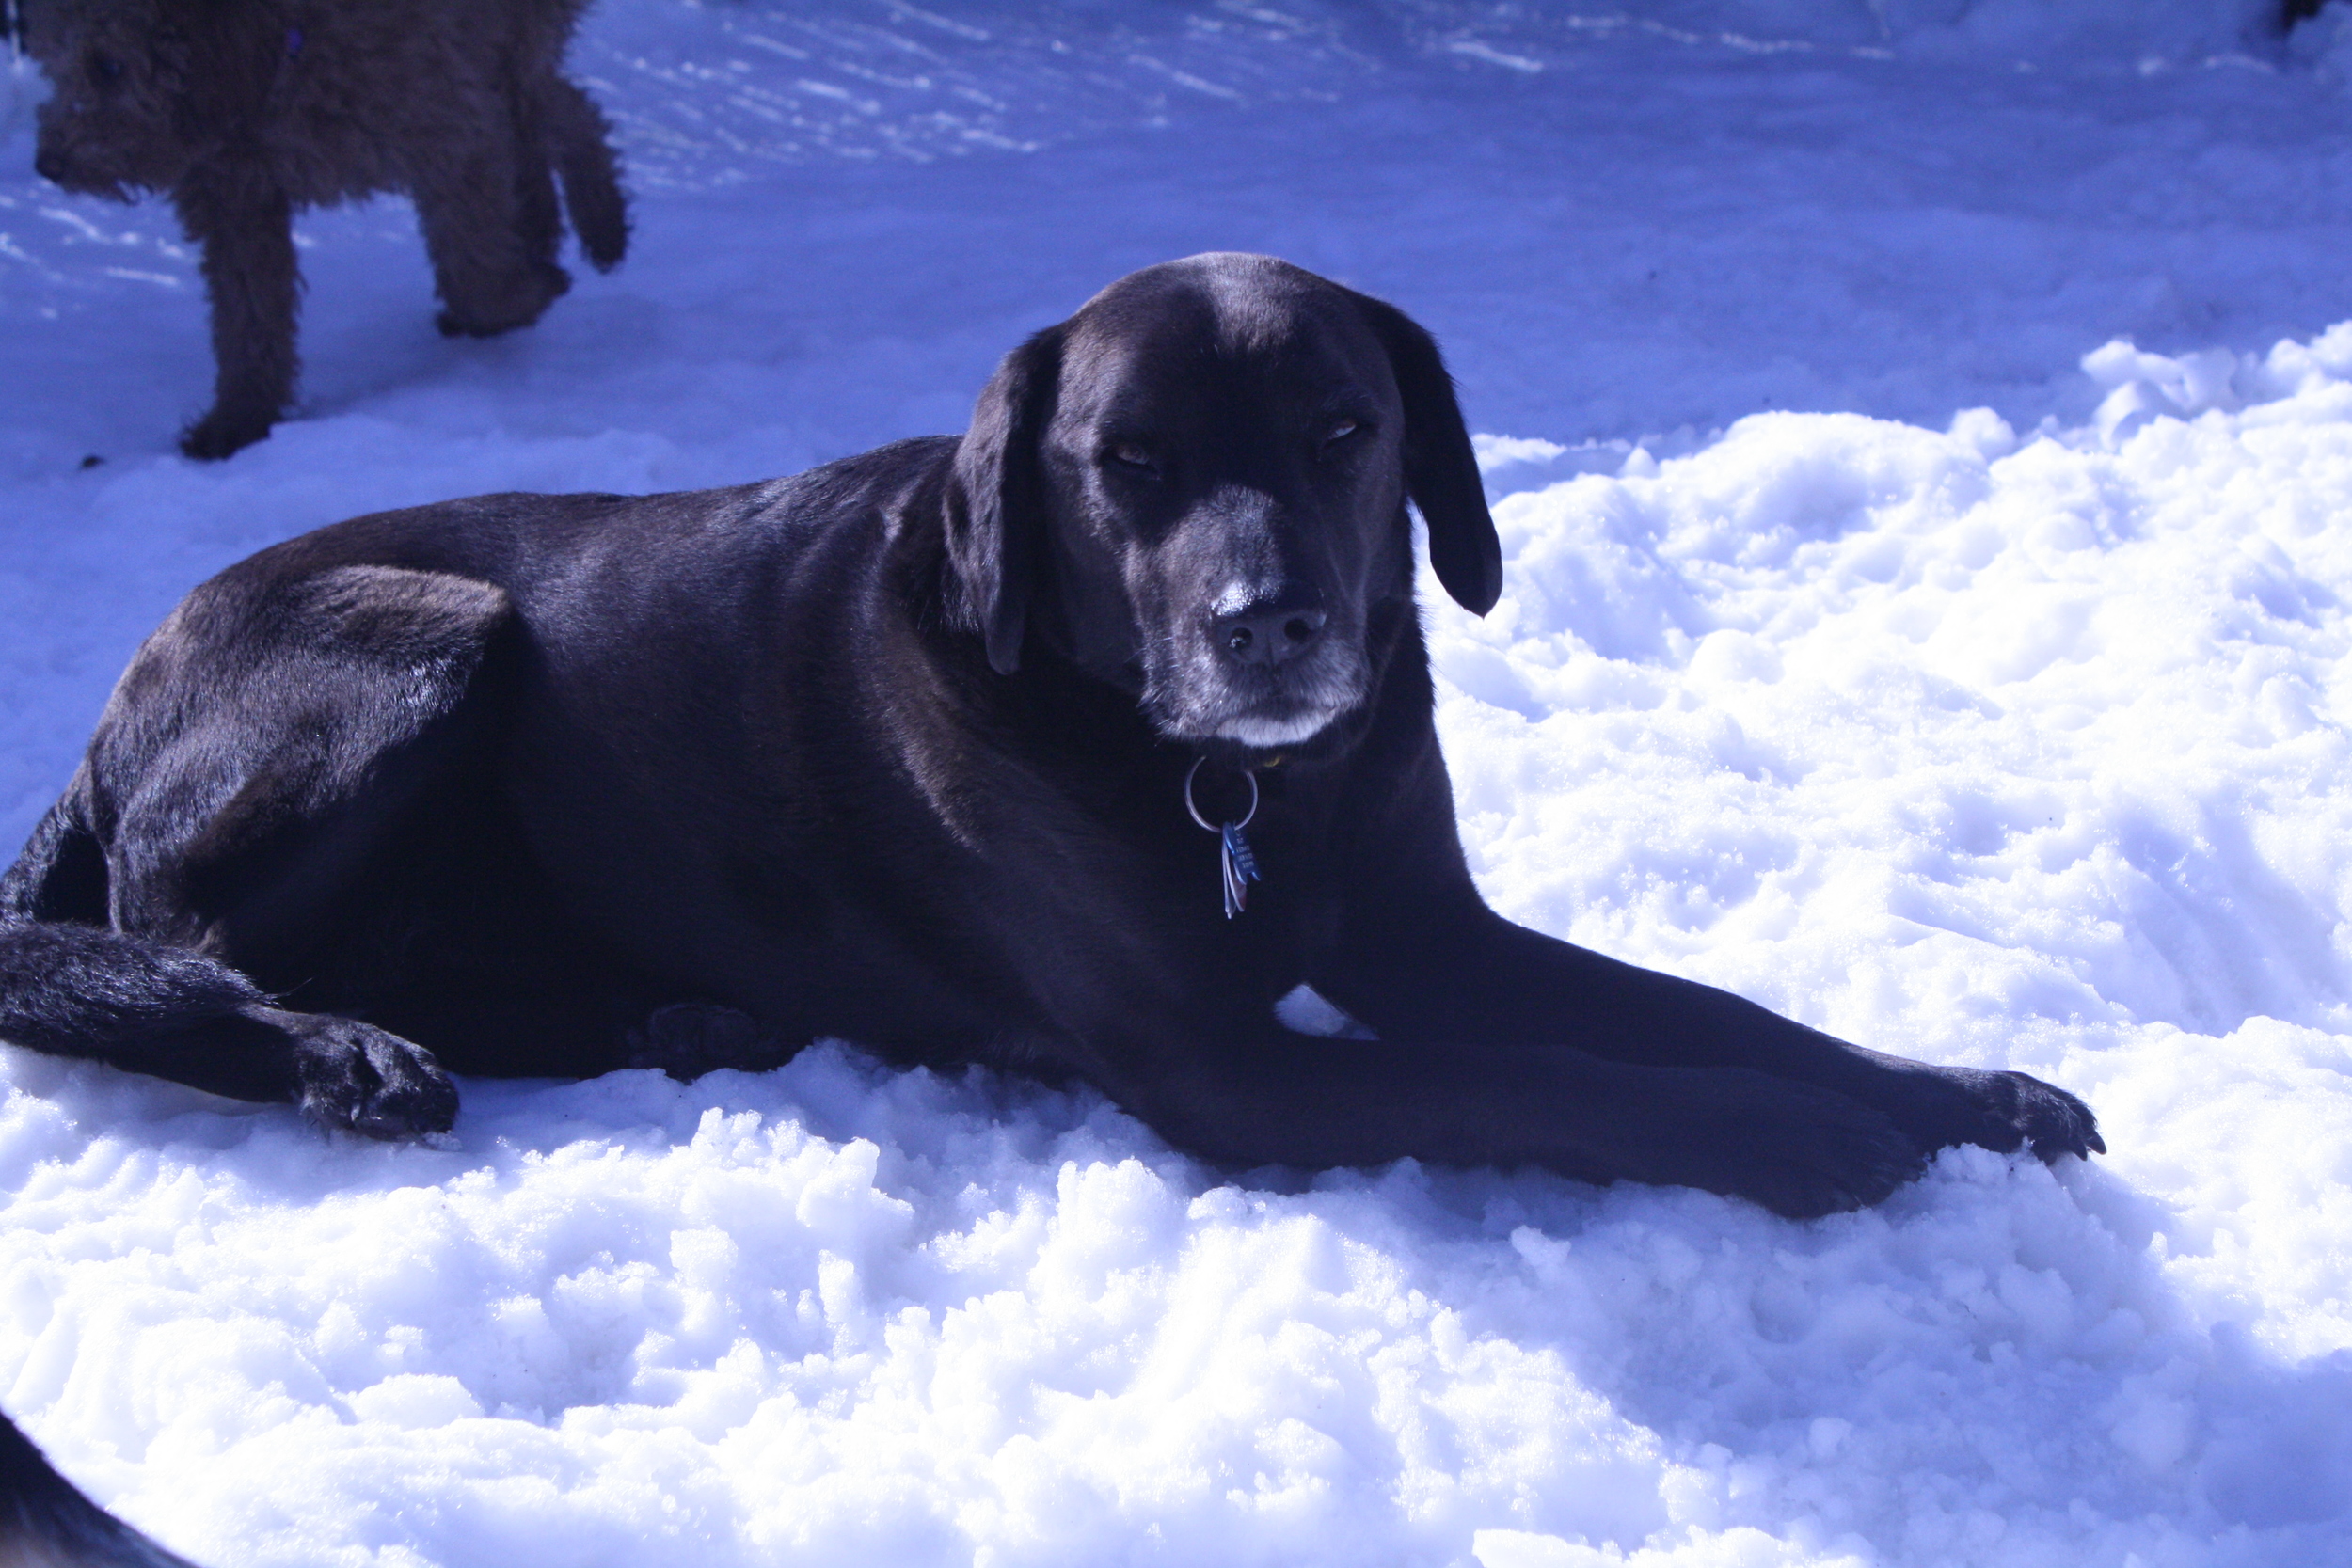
point(1421, 958)
point(1301, 1100)
point(1446, 967)
point(245, 226)
point(493, 261)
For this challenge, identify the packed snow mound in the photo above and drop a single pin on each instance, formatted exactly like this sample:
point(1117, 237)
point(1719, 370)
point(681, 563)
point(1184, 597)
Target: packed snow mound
point(1985, 746)
point(2150, 595)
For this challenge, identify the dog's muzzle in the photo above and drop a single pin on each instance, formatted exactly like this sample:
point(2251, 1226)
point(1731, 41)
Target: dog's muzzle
point(1274, 642)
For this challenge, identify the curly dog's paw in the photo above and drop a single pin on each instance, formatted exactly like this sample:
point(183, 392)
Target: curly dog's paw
point(224, 432)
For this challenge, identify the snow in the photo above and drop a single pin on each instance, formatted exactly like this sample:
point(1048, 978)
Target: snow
point(1922, 432)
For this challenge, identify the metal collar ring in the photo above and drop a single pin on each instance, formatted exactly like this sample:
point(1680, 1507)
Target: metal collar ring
point(1248, 775)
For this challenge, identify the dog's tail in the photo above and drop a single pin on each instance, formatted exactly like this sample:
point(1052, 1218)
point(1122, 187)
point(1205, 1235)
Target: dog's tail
point(581, 139)
point(46, 1523)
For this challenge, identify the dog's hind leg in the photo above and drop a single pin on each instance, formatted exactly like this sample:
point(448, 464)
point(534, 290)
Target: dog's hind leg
point(538, 221)
point(538, 217)
point(582, 140)
point(71, 988)
point(246, 787)
point(146, 1007)
point(477, 210)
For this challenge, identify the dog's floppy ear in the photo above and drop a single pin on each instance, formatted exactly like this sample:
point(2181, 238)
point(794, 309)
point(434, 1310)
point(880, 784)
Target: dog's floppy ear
point(995, 529)
point(1441, 470)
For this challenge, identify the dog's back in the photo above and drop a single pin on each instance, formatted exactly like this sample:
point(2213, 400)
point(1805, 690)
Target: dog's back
point(46, 1523)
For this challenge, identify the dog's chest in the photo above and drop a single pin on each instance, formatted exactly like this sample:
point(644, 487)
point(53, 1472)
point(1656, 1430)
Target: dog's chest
point(1121, 900)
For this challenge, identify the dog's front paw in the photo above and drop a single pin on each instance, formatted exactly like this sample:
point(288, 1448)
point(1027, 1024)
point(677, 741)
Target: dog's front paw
point(1941, 1106)
point(691, 1038)
point(1828, 1165)
point(515, 302)
point(2043, 1117)
point(356, 1076)
point(225, 430)
point(1800, 1151)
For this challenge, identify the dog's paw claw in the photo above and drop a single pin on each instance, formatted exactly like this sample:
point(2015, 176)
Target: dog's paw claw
point(356, 1076)
point(2002, 1111)
point(2053, 1122)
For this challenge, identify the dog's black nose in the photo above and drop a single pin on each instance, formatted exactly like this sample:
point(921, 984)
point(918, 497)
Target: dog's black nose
point(1271, 633)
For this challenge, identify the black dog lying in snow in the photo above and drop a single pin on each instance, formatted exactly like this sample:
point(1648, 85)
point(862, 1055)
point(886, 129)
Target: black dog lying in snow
point(917, 749)
point(244, 112)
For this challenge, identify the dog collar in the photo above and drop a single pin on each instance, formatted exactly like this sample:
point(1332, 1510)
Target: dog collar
point(1236, 866)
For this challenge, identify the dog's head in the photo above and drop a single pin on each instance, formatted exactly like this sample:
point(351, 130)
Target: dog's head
point(1195, 488)
point(124, 112)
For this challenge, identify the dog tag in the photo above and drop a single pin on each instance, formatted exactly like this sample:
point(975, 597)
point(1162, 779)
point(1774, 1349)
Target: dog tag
point(1240, 868)
point(1236, 866)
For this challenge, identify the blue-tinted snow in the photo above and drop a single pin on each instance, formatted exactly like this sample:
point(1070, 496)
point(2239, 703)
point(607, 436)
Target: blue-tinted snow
point(1924, 444)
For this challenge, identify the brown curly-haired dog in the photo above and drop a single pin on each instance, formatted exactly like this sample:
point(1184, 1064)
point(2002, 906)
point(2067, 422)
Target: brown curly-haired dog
point(244, 111)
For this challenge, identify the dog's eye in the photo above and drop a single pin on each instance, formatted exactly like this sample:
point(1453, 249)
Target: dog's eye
point(104, 68)
point(1339, 430)
point(1129, 455)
